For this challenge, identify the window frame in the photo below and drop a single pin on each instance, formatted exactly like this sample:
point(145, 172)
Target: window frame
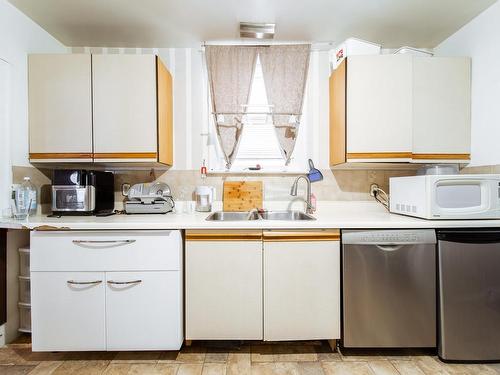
point(214, 156)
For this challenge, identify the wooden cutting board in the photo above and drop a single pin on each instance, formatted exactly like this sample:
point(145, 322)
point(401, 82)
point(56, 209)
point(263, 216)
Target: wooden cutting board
point(242, 195)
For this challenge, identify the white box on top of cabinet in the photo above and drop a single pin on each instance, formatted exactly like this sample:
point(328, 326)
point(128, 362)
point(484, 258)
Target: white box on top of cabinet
point(106, 290)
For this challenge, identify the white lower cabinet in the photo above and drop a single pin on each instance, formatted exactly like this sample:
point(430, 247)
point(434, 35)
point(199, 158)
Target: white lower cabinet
point(224, 285)
point(113, 309)
point(301, 285)
point(68, 311)
point(142, 310)
point(263, 285)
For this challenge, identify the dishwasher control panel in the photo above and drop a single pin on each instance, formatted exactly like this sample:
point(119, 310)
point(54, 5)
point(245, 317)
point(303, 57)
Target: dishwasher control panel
point(389, 237)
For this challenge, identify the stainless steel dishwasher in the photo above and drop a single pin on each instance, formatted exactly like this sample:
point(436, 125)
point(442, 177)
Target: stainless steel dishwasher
point(389, 288)
point(469, 294)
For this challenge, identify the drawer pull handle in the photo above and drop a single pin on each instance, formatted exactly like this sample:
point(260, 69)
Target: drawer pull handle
point(102, 241)
point(73, 282)
point(124, 282)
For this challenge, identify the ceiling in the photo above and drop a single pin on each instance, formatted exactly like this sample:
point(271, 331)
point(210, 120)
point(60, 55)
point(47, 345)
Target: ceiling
point(183, 23)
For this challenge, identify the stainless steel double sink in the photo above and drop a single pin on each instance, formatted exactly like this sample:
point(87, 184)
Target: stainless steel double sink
point(263, 215)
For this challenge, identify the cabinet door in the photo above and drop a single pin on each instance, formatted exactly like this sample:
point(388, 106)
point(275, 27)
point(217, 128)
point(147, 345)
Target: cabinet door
point(60, 108)
point(301, 285)
point(125, 127)
point(379, 108)
point(144, 310)
point(441, 109)
point(224, 285)
point(67, 311)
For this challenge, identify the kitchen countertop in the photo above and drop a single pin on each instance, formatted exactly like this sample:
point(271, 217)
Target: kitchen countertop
point(330, 214)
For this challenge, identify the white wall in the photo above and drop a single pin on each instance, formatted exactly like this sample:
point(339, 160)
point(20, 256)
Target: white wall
point(190, 104)
point(480, 39)
point(19, 36)
point(4, 123)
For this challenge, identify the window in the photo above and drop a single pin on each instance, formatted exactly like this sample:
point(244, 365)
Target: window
point(276, 147)
point(258, 144)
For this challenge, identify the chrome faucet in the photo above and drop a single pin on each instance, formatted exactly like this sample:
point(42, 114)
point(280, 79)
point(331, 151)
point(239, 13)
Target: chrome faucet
point(293, 192)
point(252, 212)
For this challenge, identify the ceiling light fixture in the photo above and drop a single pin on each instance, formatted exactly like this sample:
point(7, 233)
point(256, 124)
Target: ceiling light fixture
point(257, 30)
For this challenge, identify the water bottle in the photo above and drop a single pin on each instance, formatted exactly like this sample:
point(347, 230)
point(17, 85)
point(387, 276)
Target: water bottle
point(25, 197)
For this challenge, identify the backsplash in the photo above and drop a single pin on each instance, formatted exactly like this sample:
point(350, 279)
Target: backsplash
point(484, 169)
point(337, 185)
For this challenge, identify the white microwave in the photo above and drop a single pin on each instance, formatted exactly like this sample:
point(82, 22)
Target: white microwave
point(446, 196)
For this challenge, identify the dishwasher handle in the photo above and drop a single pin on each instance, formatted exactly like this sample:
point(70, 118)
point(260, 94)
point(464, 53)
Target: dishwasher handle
point(389, 247)
point(470, 236)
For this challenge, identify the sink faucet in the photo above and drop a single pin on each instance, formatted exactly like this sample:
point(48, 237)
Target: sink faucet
point(252, 212)
point(293, 192)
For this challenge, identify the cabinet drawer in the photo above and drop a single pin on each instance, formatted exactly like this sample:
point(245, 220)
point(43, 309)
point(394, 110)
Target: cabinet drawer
point(106, 251)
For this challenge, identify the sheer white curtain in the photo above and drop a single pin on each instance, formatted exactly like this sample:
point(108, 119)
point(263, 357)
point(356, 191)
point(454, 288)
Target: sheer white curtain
point(285, 70)
point(230, 72)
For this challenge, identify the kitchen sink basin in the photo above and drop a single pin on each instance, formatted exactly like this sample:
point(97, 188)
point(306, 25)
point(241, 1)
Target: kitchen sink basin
point(286, 215)
point(233, 216)
point(265, 215)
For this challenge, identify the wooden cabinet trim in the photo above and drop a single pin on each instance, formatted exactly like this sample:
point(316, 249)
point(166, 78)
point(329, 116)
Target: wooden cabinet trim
point(406, 155)
point(228, 235)
point(441, 156)
point(379, 155)
point(125, 155)
point(164, 108)
point(59, 155)
point(338, 113)
point(301, 235)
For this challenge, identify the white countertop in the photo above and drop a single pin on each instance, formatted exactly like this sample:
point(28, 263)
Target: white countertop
point(330, 214)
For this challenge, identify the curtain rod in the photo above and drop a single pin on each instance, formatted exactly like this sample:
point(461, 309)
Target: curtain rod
point(315, 46)
point(258, 113)
point(253, 42)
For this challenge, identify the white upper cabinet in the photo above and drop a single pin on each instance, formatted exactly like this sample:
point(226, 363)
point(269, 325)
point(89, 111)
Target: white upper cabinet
point(100, 108)
point(125, 124)
point(379, 114)
point(60, 108)
point(400, 108)
point(441, 108)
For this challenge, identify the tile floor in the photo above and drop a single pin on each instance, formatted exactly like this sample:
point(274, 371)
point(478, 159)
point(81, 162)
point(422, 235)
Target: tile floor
point(214, 358)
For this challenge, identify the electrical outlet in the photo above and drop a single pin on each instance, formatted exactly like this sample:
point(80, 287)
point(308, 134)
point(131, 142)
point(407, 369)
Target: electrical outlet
point(373, 189)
